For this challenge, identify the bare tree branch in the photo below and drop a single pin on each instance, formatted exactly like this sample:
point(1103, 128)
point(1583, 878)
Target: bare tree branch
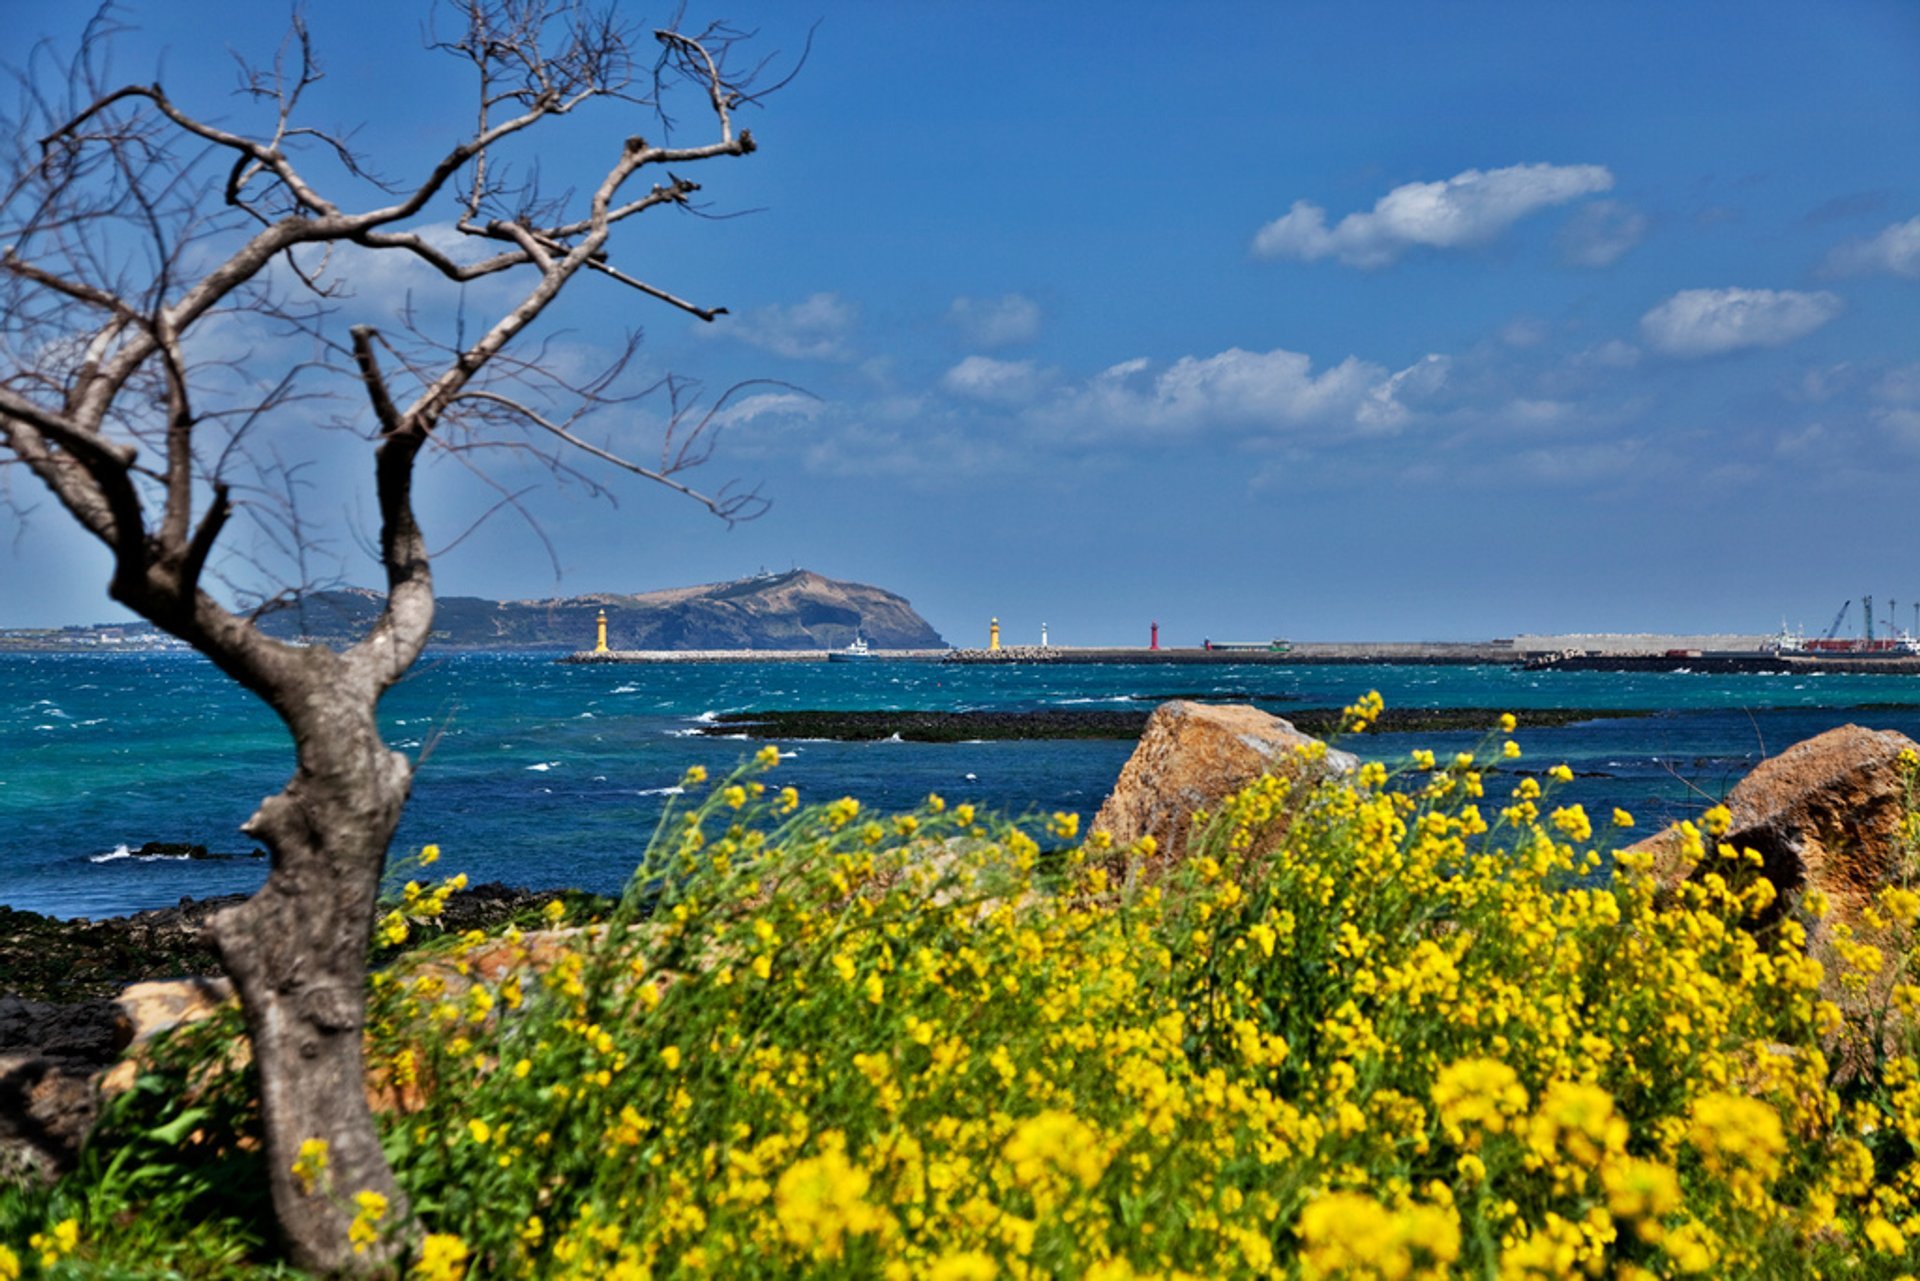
point(171, 306)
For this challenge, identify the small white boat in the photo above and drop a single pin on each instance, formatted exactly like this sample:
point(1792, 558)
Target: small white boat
point(857, 652)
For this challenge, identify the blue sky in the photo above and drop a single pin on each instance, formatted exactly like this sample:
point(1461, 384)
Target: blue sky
point(1328, 321)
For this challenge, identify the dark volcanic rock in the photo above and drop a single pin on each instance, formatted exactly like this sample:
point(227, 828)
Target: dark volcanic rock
point(1068, 723)
point(60, 1027)
point(930, 727)
point(795, 610)
point(43, 958)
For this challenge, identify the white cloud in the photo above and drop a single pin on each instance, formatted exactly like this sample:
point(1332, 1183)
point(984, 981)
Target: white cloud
point(996, 322)
point(772, 404)
point(1265, 390)
point(1612, 354)
point(1899, 385)
point(816, 328)
point(1003, 382)
point(1524, 331)
point(1896, 250)
point(1575, 464)
point(1600, 234)
point(1902, 425)
point(1469, 208)
point(1708, 322)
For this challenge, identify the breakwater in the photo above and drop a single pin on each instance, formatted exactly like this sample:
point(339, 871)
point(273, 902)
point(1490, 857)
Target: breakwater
point(743, 655)
point(1724, 655)
point(1438, 653)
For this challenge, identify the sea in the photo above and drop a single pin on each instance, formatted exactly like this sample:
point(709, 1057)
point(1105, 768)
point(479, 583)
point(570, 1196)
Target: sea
point(551, 775)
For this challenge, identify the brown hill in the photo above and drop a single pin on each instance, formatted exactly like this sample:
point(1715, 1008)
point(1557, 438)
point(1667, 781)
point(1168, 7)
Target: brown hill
point(796, 610)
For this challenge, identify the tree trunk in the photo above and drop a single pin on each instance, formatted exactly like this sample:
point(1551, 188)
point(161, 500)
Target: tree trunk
point(297, 952)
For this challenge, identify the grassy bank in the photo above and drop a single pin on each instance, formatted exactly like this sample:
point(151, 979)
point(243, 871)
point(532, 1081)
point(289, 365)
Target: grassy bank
point(1388, 1025)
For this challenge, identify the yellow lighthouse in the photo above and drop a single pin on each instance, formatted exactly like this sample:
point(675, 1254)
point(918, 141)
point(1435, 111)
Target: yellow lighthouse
point(993, 635)
point(600, 647)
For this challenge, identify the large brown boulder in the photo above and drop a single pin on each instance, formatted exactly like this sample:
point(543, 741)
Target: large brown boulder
point(1825, 814)
point(1191, 757)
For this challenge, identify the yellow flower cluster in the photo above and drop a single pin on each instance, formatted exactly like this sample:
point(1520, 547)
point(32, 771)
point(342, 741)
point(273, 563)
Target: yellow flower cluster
point(1358, 1028)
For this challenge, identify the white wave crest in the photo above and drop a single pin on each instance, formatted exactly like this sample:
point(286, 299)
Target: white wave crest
point(119, 852)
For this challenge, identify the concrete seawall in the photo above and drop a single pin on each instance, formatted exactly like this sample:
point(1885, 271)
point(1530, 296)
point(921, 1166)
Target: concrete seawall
point(743, 655)
point(1574, 652)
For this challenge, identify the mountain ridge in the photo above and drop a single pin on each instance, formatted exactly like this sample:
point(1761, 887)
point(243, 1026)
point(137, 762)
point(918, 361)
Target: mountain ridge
point(799, 609)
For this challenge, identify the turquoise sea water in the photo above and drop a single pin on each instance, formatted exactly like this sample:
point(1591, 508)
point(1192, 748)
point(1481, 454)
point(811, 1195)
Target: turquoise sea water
point(548, 775)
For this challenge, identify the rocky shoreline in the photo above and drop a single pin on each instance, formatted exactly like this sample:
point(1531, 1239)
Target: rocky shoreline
point(50, 959)
point(1101, 723)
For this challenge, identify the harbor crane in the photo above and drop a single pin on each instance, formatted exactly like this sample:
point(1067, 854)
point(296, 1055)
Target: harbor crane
point(1833, 629)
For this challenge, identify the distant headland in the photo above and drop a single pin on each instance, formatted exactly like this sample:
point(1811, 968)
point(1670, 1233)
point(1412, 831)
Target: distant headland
point(796, 610)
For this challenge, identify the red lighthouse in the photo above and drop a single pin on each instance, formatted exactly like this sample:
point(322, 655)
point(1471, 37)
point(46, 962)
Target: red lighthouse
point(1155, 641)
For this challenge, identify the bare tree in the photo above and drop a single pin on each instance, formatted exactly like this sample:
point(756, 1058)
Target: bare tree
point(138, 238)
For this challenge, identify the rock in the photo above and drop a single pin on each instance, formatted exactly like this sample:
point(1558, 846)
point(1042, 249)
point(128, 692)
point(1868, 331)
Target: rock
point(174, 849)
point(1191, 756)
point(49, 1055)
point(47, 1105)
point(1825, 814)
point(145, 1010)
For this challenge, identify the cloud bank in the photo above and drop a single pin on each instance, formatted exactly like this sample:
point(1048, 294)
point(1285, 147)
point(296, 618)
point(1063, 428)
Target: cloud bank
point(815, 328)
point(1274, 390)
point(1709, 322)
point(1895, 251)
point(1001, 382)
point(1469, 208)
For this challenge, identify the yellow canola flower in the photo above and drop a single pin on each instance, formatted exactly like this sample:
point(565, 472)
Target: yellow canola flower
point(1640, 1189)
point(370, 1209)
point(821, 1201)
point(9, 1265)
point(1055, 1145)
point(393, 929)
point(968, 1265)
point(443, 1257)
point(1350, 1234)
point(1482, 1093)
point(310, 1163)
point(1739, 1138)
point(1884, 1237)
point(55, 1245)
point(767, 757)
point(1901, 904)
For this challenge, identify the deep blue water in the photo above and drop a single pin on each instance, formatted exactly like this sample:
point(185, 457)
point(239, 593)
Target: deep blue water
point(547, 775)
